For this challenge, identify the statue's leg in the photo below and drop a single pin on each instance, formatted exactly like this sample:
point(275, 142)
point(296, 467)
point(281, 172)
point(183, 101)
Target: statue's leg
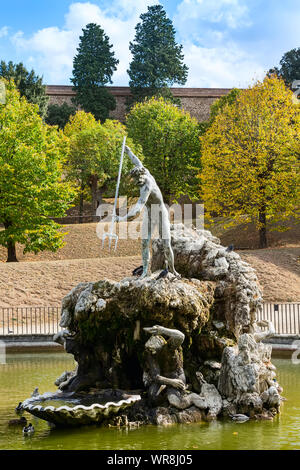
point(198, 401)
point(169, 256)
point(145, 256)
point(146, 238)
point(165, 235)
point(178, 399)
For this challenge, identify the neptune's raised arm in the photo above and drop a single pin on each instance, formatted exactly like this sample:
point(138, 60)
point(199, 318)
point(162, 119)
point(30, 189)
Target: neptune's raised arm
point(133, 157)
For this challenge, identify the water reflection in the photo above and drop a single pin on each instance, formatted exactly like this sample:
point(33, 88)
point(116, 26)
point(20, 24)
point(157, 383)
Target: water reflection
point(23, 373)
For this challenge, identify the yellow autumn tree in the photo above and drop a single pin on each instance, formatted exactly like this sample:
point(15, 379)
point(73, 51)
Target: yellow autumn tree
point(250, 158)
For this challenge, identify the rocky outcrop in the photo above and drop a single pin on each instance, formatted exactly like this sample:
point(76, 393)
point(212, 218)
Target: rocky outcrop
point(205, 357)
point(247, 378)
point(198, 254)
point(105, 322)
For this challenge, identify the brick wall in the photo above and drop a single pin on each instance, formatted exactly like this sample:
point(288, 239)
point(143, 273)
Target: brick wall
point(195, 100)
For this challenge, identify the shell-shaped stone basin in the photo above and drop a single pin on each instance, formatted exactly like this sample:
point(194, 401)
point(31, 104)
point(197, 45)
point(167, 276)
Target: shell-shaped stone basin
point(70, 409)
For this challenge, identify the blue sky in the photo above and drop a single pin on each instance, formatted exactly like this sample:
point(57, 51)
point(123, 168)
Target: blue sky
point(226, 43)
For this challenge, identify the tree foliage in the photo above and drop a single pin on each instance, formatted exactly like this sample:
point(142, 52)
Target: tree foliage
point(31, 187)
point(217, 107)
point(289, 69)
point(157, 60)
point(170, 141)
point(249, 156)
point(29, 84)
point(93, 68)
point(59, 115)
point(95, 151)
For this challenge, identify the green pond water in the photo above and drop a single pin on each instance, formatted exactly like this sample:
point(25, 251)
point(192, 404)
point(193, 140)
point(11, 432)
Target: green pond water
point(23, 372)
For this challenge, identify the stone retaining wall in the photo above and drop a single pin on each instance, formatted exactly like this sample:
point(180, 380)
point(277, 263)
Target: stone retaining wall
point(30, 343)
point(195, 100)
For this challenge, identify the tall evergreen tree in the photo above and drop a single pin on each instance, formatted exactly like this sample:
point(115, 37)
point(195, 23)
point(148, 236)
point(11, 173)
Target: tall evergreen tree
point(289, 67)
point(157, 60)
point(29, 84)
point(93, 68)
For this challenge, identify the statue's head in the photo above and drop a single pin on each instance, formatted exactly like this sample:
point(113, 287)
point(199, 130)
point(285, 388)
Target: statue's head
point(139, 173)
point(155, 343)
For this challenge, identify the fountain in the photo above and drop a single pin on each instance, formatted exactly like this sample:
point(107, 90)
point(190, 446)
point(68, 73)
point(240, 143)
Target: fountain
point(180, 347)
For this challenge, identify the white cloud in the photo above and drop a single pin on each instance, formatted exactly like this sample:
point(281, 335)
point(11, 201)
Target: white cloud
point(55, 48)
point(3, 31)
point(220, 67)
point(230, 13)
point(225, 42)
point(213, 57)
point(51, 52)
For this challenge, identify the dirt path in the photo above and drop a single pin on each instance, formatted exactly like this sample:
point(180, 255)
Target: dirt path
point(278, 271)
point(45, 283)
point(45, 278)
point(81, 242)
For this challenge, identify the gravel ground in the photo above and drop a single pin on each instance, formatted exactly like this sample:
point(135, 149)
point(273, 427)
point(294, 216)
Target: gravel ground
point(45, 283)
point(45, 278)
point(81, 242)
point(278, 271)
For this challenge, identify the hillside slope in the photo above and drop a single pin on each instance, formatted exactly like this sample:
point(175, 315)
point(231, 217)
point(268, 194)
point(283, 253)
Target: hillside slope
point(52, 275)
point(46, 282)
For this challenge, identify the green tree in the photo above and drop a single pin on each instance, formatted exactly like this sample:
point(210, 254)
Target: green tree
point(289, 69)
point(78, 122)
point(93, 68)
point(218, 106)
point(77, 167)
point(157, 61)
point(59, 115)
point(169, 138)
point(95, 151)
point(29, 84)
point(249, 157)
point(31, 187)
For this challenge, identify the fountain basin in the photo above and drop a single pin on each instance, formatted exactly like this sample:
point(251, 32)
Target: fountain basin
point(71, 409)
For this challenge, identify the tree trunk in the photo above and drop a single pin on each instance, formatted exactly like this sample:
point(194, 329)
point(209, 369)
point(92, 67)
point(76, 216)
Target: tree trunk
point(100, 194)
point(81, 203)
point(263, 229)
point(11, 253)
point(11, 246)
point(94, 187)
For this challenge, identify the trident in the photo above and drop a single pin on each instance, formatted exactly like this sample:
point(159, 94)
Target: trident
point(111, 235)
